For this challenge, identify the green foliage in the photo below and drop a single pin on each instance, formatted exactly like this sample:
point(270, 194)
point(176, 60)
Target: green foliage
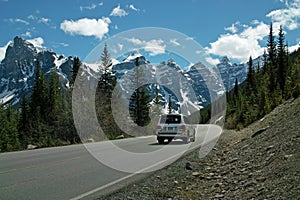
point(44, 119)
point(9, 136)
point(75, 69)
point(205, 115)
point(265, 89)
point(139, 107)
point(170, 105)
point(106, 84)
point(39, 95)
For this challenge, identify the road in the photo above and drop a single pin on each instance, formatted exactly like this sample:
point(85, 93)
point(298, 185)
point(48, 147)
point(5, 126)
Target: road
point(85, 171)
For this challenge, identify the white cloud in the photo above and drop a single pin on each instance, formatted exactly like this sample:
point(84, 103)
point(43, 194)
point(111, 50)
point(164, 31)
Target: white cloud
point(32, 17)
point(232, 28)
point(285, 1)
point(235, 46)
point(132, 7)
point(18, 20)
point(135, 41)
point(90, 7)
point(294, 48)
point(27, 34)
point(120, 46)
point(243, 43)
point(255, 22)
point(257, 33)
point(287, 17)
point(118, 11)
point(44, 20)
point(37, 42)
point(154, 47)
point(87, 27)
point(174, 42)
point(241, 46)
point(3, 50)
point(212, 61)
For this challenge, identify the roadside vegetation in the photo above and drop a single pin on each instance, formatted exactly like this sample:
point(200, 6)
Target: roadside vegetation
point(266, 86)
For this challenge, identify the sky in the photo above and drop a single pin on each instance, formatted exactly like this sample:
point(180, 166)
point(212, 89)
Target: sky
point(234, 28)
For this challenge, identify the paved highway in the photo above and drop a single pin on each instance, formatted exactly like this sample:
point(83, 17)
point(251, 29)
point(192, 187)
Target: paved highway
point(85, 171)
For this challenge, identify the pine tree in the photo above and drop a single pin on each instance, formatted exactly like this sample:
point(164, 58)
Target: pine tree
point(281, 60)
point(39, 97)
point(24, 122)
point(170, 105)
point(107, 79)
point(265, 62)
point(271, 45)
point(106, 84)
point(139, 100)
point(75, 69)
point(144, 107)
point(236, 89)
point(54, 95)
point(12, 129)
point(9, 136)
point(156, 99)
point(250, 74)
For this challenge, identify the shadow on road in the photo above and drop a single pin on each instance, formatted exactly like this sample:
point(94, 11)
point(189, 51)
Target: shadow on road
point(177, 142)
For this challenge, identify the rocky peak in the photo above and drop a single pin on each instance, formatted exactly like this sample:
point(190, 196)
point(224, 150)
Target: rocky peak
point(225, 60)
point(19, 50)
point(18, 67)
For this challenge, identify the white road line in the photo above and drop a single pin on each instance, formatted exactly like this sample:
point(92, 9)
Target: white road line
point(141, 171)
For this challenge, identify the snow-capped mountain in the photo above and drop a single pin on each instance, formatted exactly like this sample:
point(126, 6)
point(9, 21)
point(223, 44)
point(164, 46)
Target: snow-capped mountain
point(190, 89)
point(18, 67)
point(231, 71)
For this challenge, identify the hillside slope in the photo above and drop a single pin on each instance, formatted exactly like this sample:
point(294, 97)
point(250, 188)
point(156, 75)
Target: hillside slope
point(259, 162)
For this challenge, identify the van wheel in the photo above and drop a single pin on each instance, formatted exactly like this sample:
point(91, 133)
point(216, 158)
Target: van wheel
point(185, 140)
point(169, 140)
point(194, 138)
point(160, 140)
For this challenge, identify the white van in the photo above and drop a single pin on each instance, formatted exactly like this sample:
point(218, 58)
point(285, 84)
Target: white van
point(174, 126)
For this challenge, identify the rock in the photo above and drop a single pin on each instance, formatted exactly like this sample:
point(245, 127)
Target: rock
point(211, 174)
point(196, 174)
point(249, 183)
point(158, 177)
point(259, 132)
point(219, 196)
point(288, 156)
point(270, 156)
point(269, 147)
point(188, 166)
point(90, 140)
point(176, 182)
point(261, 179)
point(219, 184)
point(31, 146)
point(233, 160)
point(120, 137)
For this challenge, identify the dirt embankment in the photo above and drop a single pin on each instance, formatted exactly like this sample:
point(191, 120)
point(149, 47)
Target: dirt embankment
point(261, 161)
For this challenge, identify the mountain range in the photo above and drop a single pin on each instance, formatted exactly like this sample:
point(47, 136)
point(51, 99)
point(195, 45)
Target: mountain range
point(193, 88)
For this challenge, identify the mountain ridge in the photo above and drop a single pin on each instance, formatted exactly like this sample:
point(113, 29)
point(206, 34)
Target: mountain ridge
point(18, 66)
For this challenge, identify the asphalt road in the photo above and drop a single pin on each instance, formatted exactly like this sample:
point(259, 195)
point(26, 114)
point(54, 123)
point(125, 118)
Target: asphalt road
point(85, 171)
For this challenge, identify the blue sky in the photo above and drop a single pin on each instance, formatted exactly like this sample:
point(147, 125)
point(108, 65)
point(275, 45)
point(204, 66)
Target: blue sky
point(235, 28)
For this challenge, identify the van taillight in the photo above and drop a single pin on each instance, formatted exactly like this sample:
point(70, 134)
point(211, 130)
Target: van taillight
point(158, 128)
point(182, 128)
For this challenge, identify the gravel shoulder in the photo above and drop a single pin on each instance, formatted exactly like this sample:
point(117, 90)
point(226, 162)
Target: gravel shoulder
point(261, 161)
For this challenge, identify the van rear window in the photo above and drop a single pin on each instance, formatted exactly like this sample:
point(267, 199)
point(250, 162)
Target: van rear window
point(170, 119)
